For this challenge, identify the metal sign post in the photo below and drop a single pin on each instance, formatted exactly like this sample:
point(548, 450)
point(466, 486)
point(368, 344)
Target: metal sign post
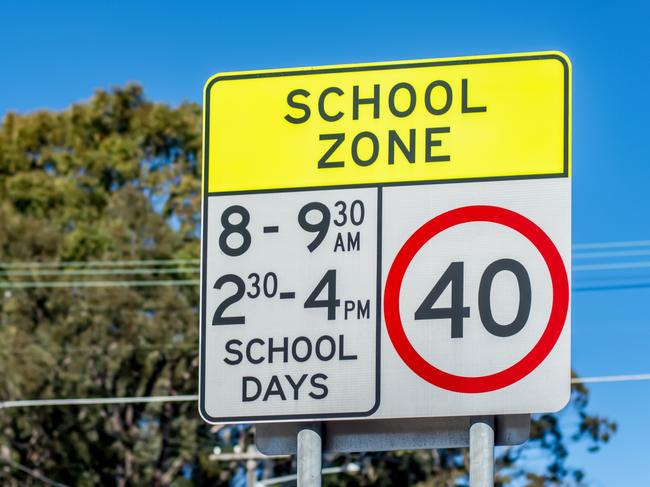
point(310, 454)
point(481, 452)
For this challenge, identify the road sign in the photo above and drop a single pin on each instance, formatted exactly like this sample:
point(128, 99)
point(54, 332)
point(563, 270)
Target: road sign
point(387, 240)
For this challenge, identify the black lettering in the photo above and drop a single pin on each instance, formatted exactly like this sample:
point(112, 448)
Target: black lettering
point(249, 346)
point(321, 104)
point(391, 100)
point(284, 349)
point(349, 306)
point(338, 245)
point(394, 138)
point(355, 148)
point(245, 396)
point(465, 104)
point(427, 97)
point(429, 143)
point(237, 353)
point(274, 389)
point(525, 297)
point(322, 387)
point(338, 139)
point(319, 352)
point(363, 310)
point(301, 106)
point(294, 385)
point(342, 355)
point(356, 101)
point(354, 242)
point(457, 312)
point(294, 349)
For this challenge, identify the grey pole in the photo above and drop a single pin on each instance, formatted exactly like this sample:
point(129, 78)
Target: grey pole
point(251, 467)
point(310, 452)
point(481, 451)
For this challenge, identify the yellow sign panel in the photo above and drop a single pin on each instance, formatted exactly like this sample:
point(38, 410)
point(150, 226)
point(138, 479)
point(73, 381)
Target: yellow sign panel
point(488, 117)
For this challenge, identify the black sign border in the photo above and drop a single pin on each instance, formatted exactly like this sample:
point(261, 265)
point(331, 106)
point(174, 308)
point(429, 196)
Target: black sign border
point(280, 417)
point(206, 194)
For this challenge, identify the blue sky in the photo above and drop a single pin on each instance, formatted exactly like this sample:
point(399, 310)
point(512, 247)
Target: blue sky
point(56, 53)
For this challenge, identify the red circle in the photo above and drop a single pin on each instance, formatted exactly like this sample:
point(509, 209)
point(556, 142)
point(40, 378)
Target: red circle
point(559, 308)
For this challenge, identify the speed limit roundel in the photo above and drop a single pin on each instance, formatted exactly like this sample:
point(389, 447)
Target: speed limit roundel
point(456, 312)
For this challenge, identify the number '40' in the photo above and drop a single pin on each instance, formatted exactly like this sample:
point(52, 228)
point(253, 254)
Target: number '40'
point(454, 276)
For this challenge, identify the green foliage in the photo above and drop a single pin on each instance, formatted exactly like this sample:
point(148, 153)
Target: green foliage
point(118, 178)
point(79, 186)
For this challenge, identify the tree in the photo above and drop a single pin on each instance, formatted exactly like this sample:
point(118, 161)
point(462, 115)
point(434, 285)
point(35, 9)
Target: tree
point(113, 179)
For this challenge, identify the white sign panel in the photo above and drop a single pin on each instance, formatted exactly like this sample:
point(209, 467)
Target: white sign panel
point(293, 327)
point(476, 317)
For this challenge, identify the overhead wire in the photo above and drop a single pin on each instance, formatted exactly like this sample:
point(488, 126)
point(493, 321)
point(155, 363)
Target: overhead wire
point(613, 266)
point(98, 272)
point(65, 284)
point(163, 262)
point(88, 401)
point(98, 263)
point(610, 287)
point(610, 378)
point(104, 349)
point(70, 268)
point(611, 245)
point(193, 270)
point(609, 255)
point(32, 473)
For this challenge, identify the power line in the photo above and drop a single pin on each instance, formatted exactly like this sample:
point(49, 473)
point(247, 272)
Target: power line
point(155, 262)
point(98, 263)
point(191, 282)
point(33, 473)
point(105, 348)
point(193, 270)
point(99, 272)
point(87, 401)
point(607, 255)
point(611, 245)
point(195, 282)
point(195, 397)
point(52, 284)
point(610, 378)
point(110, 267)
point(610, 287)
point(605, 267)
